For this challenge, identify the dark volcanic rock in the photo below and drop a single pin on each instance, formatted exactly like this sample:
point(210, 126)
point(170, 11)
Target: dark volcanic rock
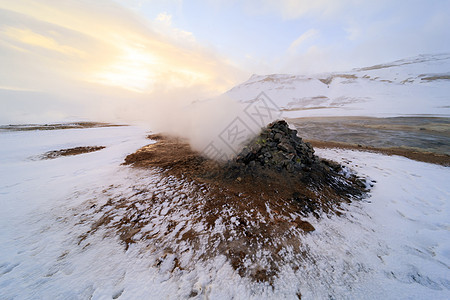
point(279, 148)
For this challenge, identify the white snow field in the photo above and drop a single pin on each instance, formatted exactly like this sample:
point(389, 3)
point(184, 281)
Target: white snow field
point(414, 86)
point(393, 245)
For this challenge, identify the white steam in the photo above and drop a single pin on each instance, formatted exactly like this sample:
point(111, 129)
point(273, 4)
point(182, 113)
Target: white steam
point(217, 127)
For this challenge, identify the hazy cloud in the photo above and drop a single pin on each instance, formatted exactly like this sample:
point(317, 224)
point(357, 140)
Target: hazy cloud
point(301, 39)
point(292, 9)
point(77, 50)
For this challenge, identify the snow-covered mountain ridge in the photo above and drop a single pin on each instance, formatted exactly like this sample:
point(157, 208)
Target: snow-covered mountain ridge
point(413, 86)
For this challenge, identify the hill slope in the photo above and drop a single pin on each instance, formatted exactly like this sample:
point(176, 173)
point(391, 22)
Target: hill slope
point(413, 86)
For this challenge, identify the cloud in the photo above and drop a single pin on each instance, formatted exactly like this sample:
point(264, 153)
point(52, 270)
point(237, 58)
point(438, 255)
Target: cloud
point(163, 25)
point(28, 37)
point(134, 52)
point(164, 18)
point(104, 58)
point(353, 33)
point(301, 39)
point(293, 9)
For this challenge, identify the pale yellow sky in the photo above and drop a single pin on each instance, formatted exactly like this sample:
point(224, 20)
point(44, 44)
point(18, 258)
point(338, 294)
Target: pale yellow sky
point(110, 46)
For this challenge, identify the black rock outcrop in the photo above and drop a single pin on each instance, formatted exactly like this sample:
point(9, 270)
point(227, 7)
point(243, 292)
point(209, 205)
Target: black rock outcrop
point(279, 148)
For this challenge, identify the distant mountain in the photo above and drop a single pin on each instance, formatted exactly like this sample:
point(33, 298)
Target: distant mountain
point(412, 86)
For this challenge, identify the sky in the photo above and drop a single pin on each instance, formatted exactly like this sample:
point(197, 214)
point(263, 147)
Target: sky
point(121, 60)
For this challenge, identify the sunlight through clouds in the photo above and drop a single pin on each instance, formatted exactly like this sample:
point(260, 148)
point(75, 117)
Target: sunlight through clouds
point(123, 52)
point(26, 36)
point(132, 70)
point(100, 60)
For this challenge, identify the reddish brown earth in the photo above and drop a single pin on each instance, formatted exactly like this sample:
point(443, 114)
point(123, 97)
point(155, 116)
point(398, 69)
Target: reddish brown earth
point(71, 151)
point(175, 157)
point(262, 212)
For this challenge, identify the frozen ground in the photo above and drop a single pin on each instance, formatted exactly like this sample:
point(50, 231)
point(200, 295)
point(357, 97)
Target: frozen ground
point(394, 245)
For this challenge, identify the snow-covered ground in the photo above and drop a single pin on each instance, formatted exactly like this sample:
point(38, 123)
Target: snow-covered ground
point(394, 245)
point(414, 86)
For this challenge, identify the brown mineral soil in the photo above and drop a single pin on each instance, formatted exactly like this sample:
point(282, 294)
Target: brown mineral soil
point(175, 157)
point(70, 151)
point(429, 157)
point(258, 214)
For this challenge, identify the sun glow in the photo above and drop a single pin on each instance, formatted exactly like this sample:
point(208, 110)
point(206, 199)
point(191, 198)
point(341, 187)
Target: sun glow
point(135, 69)
point(121, 53)
point(138, 69)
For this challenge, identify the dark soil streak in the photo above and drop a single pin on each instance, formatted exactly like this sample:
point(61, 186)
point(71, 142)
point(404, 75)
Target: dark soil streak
point(71, 151)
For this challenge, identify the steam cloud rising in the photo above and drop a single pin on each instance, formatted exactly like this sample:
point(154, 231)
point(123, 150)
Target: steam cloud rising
point(216, 127)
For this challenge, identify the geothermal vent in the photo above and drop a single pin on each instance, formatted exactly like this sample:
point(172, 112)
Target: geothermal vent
point(254, 210)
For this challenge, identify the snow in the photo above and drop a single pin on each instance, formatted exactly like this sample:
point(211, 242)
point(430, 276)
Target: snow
point(395, 89)
point(395, 244)
point(402, 233)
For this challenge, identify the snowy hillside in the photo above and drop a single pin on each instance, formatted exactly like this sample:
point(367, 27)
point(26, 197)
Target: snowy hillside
point(414, 86)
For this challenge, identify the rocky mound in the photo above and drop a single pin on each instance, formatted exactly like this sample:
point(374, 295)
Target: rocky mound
point(250, 209)
point(279, 148)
